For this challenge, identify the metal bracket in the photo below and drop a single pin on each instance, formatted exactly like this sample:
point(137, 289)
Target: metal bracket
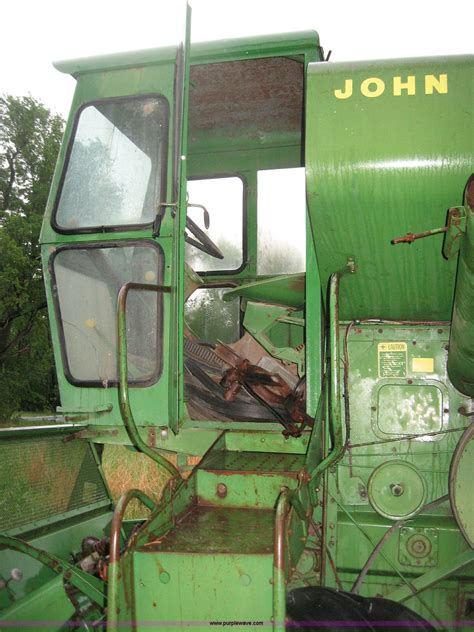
point(159, 216)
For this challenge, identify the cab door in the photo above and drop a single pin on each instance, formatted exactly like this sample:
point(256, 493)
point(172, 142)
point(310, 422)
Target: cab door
point(116, 214)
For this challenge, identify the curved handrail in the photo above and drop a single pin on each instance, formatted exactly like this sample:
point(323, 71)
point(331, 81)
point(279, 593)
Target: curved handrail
point(119, 513)
point(124, 398)
point(114, 559)
point(287, 500)
point(279, 584)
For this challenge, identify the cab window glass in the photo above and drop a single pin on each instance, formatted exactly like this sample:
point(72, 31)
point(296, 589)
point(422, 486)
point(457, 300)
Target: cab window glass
point(281, 208)
point(223, 198)
point(86, 285)
point(114, 172)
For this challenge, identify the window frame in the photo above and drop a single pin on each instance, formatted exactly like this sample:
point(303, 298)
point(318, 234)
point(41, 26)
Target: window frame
point(164, 168)
point(243, 265)
point(124, 243)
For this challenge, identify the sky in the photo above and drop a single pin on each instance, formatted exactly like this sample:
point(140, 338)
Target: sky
point(36, 32)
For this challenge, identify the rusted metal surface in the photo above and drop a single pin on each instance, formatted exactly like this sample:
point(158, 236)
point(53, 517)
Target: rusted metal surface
point(456, 226)
point(247, 97)
point(269, 388)
point(88, 433)
point(219, 530)
point(152, 437)
point(409, 238)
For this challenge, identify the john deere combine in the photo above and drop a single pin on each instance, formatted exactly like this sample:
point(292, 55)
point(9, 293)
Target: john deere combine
point(309, 401)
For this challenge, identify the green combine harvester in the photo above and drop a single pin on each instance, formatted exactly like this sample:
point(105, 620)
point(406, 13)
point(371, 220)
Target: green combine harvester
point(310, 405)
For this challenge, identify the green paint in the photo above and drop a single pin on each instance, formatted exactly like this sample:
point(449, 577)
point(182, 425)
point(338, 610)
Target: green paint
point(387, 418)
point(396, 490)
point(461, 355)
point(374, 174)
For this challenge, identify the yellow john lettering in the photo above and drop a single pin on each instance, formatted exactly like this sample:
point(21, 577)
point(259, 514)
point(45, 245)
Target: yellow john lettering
point(402, 86)
point(367, 90)
point(346, 92)
point(440, 84)
point(409, 86)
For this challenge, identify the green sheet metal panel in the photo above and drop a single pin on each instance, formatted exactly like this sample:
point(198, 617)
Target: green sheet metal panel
point(388, 151)
point(193, 590)
point(461, 356)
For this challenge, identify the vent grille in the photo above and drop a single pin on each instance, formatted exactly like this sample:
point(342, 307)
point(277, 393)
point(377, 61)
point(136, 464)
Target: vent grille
point(43, 478)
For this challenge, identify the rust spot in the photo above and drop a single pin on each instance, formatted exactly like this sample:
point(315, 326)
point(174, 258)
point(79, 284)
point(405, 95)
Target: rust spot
point(266, 387)
point(221, 490)
point(152, 437)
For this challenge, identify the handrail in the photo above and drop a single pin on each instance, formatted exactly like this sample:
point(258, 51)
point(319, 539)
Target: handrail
point(335, 388)
point(279, 585)
point(114, 559)
point(119, 512)
point(124, 399)
point(287, 500)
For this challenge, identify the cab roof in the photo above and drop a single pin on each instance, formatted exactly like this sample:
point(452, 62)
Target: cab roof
point(283, 44)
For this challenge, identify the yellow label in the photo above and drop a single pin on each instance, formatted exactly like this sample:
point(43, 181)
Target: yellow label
point(422, 365)
point(392, 359)
point(392, 346)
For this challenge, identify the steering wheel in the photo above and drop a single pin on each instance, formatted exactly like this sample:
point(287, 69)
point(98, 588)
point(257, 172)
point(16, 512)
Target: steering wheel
point(202, 241)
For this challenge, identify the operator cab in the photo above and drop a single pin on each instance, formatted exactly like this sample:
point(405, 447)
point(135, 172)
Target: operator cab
point(231, 299)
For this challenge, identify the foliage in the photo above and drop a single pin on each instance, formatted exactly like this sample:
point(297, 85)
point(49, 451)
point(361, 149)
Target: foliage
point(30, 136)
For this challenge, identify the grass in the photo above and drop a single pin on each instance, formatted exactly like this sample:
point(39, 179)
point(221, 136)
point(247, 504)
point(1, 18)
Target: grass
point(125, 470)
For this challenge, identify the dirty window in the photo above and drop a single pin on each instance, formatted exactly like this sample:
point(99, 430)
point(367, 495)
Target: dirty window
point(281, 208)
point(115, 167)
point(87, 281)
point(223, 198)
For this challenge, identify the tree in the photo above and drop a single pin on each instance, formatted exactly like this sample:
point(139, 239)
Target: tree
point(30, 137)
